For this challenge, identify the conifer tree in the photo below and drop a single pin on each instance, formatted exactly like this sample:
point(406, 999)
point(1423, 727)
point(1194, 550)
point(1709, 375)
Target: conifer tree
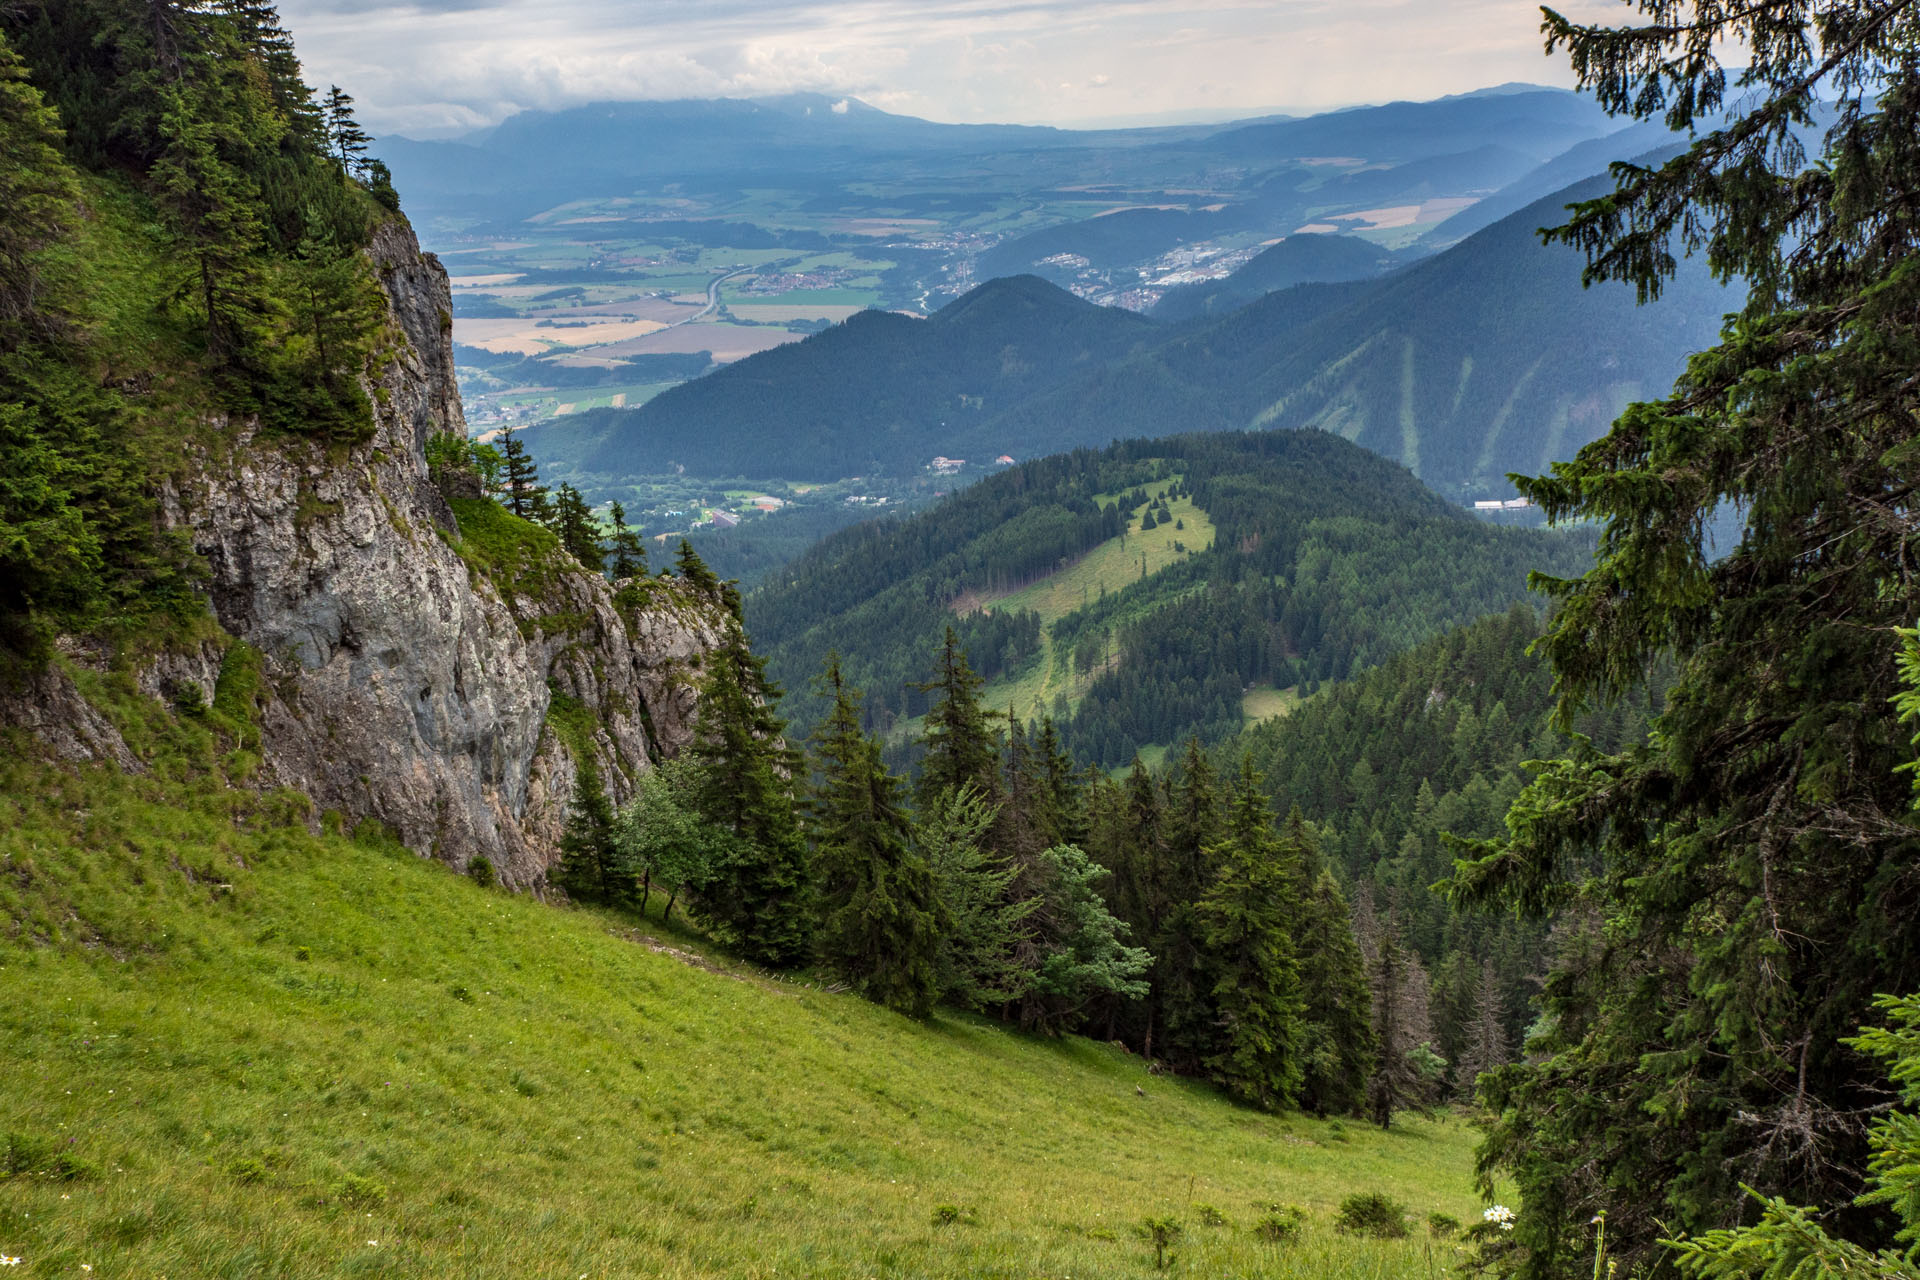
point(520, 478)
point(1243, 923)
point(1404, 1073)
point(694, 572)
point(574, 525)
point(1486, 1039)
point(1180, 875)
point(587, 871)
point(1081, 955)
point(213, 210)
point(1741, 859)
point(960, 748)
point(881, 920)
point(1338, 1010)
point(629, 553)
point(756, 897)
point(345, 138)
point(980, 957)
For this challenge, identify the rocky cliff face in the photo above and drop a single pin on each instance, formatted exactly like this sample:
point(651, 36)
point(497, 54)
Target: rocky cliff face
point(406, 676)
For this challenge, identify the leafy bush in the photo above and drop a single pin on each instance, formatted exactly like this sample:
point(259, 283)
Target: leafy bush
point(1372, 1214)
point(481, 872)
point(1210, 1216)
point(1280, 1223)
point(358, 1192)
point(1442, 1226)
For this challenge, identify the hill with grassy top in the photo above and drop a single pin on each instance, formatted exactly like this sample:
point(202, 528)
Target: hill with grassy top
point(1272, 560)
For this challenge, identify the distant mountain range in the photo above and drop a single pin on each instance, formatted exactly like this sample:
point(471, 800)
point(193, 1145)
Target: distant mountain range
point(1485, 359)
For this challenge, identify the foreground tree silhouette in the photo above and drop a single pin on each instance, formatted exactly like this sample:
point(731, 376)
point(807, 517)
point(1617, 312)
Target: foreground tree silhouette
point(1753, 869)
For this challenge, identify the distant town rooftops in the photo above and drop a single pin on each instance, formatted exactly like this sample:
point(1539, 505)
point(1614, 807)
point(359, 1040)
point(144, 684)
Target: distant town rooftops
point(1497, 504)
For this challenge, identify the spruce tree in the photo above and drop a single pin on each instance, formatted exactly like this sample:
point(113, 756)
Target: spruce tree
point(574, 525)
point(981, 952)
point(1182, 871)
point(1243, 922)
point(1405, 1071)
point(1742, 860)
point(1338, 1007)
point(694, 572)
point(587, 859)
point(213, 210)
point(960, 747)
point(629, 553)
point(345, 138)
point(881, 920)
point(520, 479)
point(1485, 1046)
point(756, 898)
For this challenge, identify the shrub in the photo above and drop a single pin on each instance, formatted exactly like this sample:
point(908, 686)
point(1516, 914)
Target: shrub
point(23, 1155)
point(1280, 1223)
point(945, 1215)
point(357, 1192)
point(481, 872)
point(1372, 1214)
point(248, 1169)
point(1442, 1226)
point(1210, 1216)
point(1160, 1233)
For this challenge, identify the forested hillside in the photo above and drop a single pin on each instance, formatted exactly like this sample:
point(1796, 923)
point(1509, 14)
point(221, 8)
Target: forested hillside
point(183, 237)
point(1323, 560)
point(881, 392)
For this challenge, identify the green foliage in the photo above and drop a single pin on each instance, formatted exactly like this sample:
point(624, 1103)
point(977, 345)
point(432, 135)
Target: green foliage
point(1325, 560)
point(755, 898)
point(881, 918)
point(588, 869)
point(480, 871)
point(659, 837)
point(1243, 924)
point(980, 962)
point(1082, 955)
point(1162, 1233)
point(1372, 1213)
point(1726, 886)
point(1281, 1224)
point(1794, 1243)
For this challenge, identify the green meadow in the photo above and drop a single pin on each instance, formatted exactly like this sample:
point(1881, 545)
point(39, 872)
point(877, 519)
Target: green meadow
point(238, 1041)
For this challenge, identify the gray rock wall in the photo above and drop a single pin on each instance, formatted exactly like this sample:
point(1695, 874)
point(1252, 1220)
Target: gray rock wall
point(401, 683)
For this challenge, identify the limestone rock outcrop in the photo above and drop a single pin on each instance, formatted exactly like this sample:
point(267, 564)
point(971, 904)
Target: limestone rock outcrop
point(403, 677)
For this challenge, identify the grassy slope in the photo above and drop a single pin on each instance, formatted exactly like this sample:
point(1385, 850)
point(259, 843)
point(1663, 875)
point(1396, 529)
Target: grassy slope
point(1113, 565)
point(268, 1050)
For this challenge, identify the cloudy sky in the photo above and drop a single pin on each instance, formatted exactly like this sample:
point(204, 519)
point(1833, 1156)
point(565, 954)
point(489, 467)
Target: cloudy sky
point(434, 67)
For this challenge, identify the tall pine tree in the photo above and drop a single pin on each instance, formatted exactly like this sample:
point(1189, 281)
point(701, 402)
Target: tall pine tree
point(756, 897)
point(881, 919)
point(1244, 922)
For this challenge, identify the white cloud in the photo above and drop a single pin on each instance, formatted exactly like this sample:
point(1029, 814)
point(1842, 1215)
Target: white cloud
point(440, 66)
point(839, 108)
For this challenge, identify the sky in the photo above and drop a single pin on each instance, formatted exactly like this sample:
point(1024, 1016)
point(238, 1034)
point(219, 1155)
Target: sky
point(432, 68)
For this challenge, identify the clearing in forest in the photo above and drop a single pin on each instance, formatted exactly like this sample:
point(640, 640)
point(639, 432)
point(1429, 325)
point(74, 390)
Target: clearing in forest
point(1112, 566)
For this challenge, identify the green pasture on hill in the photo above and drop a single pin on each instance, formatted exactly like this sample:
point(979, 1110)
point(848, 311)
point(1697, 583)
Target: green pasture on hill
point(236, 1047)
point(1110, 567)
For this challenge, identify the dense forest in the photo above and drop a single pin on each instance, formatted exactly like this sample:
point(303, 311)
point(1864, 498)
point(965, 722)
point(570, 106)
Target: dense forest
point(1325, 560)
